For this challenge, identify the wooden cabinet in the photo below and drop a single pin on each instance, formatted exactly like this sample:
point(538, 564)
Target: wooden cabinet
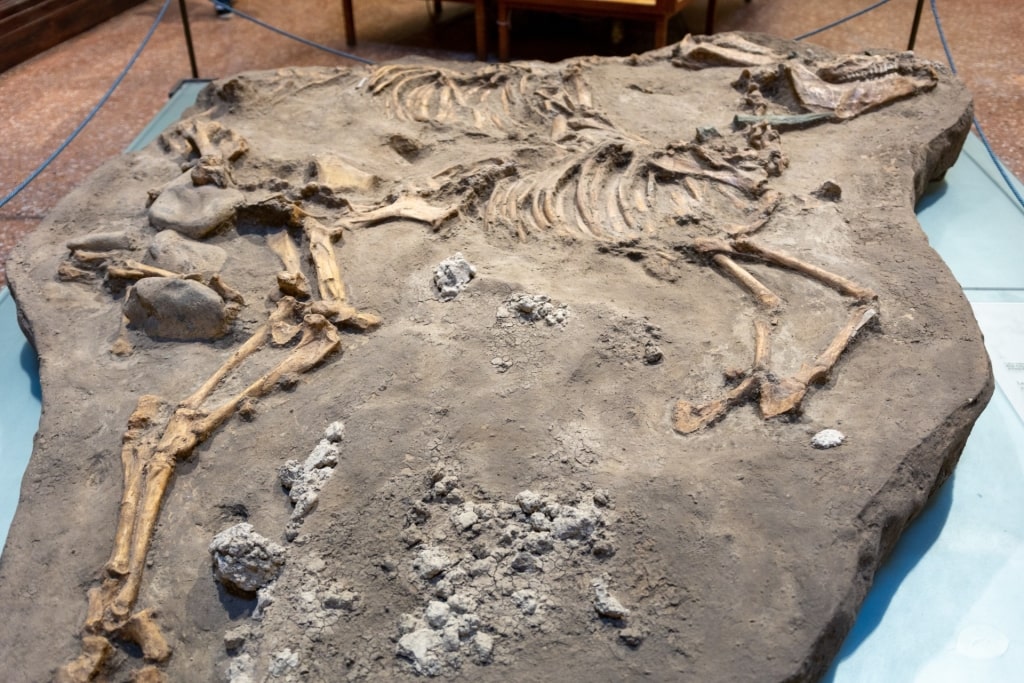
point(28, 27)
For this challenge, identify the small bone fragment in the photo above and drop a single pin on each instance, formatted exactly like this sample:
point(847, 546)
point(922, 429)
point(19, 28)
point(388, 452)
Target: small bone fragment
point(69, 273)
point(559, 127)
point(782, 121)
point(95, 651)
point(142, 629)
point(291, 281)
point(93, 258)
point(762, 348)
point(101, 241)
point(227, 293)
point(149, 674)
point(338, 174)
point(133, 270)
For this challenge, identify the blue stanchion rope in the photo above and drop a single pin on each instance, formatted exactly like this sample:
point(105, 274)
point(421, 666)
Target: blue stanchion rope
point(103, 100)
point(839, 22)
point(977, 125)
point(305, 41)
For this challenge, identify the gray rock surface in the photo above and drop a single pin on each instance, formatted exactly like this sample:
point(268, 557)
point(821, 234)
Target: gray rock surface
point(740, 532)
point(452, 275)
point(243, 560)
point(193, 211)
point(170, 308)
point(171, 251)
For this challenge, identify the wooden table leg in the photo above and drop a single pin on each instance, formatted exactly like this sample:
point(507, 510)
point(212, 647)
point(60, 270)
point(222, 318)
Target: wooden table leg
point(350, 22)
point(660, 32)
point(709, 18)
point(502, 31)
point(480, 14)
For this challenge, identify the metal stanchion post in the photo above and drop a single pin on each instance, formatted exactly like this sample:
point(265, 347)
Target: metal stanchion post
point(917, 22)
point(188, 38)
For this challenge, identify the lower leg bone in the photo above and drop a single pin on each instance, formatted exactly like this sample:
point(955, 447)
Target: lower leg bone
point(784, 396)
point(148, 465)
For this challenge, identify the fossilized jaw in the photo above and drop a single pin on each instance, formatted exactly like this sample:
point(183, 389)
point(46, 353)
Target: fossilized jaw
point(858, 91)
point(867, 67)
point(845, 87)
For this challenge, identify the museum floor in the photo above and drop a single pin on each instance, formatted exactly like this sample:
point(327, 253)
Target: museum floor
point(43, 99)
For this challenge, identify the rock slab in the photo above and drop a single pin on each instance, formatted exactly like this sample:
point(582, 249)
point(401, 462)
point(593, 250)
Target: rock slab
point(687, 237)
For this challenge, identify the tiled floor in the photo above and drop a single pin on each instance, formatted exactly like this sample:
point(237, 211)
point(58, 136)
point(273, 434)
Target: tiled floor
point(42, 100)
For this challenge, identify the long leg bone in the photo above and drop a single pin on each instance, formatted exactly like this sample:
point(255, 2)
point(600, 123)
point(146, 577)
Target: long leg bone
point(149, 459)
point(780, 258)
point(765, 297)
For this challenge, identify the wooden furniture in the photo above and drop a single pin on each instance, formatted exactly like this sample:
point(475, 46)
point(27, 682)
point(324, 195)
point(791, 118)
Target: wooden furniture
point(28, 27)
point(658, 11)
point(479, 11)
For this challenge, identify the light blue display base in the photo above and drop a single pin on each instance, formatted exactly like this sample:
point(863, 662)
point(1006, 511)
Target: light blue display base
point(20, 405)
point(948, 605)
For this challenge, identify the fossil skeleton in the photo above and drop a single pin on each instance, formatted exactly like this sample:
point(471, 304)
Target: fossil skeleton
point(598, 183)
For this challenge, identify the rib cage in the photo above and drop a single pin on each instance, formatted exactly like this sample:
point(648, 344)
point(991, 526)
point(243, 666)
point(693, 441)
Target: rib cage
point(498, 98)
point(618, 189)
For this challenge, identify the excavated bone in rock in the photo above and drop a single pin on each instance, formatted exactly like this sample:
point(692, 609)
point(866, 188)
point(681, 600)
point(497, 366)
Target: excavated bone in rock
point(532, 308)
point(828, 438)
point(172, 251)
point(452, 275)
point(606, 604)
point(304, 480)
point(171, 308)
point(243, 560)
point(420, 648)
point(194, 211)
point(101, 241)
point(338, 174)
point(764, 292)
